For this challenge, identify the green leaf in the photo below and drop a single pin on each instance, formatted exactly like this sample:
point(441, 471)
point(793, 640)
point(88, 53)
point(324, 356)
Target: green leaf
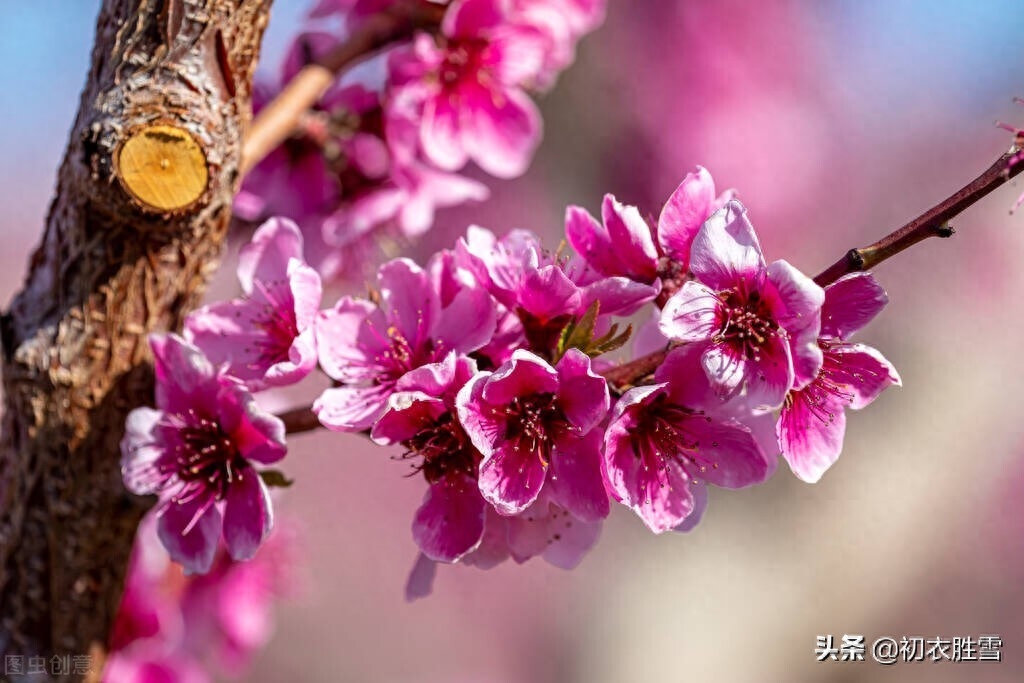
point(609, 342)
point(579, 333)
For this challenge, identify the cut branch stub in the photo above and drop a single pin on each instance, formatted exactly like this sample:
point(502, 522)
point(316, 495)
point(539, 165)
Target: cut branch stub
point(163, 167)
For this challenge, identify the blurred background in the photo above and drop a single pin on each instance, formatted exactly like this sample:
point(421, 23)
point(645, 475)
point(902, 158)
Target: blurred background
point(837, 122)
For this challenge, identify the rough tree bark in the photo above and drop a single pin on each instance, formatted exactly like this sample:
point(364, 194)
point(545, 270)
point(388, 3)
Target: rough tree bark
point(142, 206)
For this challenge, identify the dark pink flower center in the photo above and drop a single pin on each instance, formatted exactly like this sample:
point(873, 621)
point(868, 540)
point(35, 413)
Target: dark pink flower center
point(532, 424)
point(665, 434)
point(400, 354)
point(204, 458)
point(831, 385)
point(747, 322)
point(462, 61)
point(820, 395)
point(543, 334)
point(444, 448)
point(276, 317)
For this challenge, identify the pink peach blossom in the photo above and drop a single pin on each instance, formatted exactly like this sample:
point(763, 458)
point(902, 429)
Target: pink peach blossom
point(812, 422)
point(367, 347)
point(469, 88)
point(266, 338)
point(666, 441)
point(758, 324)
point(531, 420)
point(197, 451)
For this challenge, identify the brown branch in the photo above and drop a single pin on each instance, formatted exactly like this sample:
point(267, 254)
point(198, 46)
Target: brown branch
point(281, 117)
point(299, 420)
point(135, 230)
point(932, 223)
point(624, 376)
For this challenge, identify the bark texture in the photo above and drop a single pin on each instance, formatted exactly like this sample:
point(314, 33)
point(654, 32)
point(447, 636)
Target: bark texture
point(110, 269)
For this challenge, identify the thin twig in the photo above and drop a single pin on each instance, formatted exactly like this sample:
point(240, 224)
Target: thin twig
point(276, 122)
point(932, 223)
point(621, 377)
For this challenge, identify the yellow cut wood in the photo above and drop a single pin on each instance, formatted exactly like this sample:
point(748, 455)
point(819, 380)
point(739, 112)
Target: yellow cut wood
point(163, 167)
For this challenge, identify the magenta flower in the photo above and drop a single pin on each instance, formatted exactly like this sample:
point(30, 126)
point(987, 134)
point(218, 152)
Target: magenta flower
point(813, 421)
point(145, 612)
point(368, 346)
point(146, 643)
point(266, 338)
point(665, 442)
point(228, 612)
point(530, 420)
point(167, 626)
point(552, 531)
point(381, 183)
point(196, 451)
point(294, 180)
point(491, 551)
point(470, 88)
point(420, 415)
point(623, 244)
point(758, 324)
point(687, 209)
point(350, 172)
point(544, 291)
point(152, 662)
point(405, 202)
point(544, 529)
point(618, 261)
point(517, 272)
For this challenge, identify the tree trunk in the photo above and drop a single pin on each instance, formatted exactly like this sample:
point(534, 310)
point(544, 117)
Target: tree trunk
point(142, 207)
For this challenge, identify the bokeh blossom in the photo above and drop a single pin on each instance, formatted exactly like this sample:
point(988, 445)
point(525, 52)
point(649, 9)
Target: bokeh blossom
point(468, 90)
point(377, 155)
point(180, 629)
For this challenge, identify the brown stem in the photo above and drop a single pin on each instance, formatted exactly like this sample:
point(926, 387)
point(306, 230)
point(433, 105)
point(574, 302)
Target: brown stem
point(298, 420)
point(135, 230)
point(279, 119)
point(932, 223)
point(621, 377)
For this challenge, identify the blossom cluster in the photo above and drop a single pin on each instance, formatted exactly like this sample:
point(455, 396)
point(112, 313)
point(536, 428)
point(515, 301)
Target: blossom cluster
point(384, 148)
point(487, 367)
point(205, 447)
